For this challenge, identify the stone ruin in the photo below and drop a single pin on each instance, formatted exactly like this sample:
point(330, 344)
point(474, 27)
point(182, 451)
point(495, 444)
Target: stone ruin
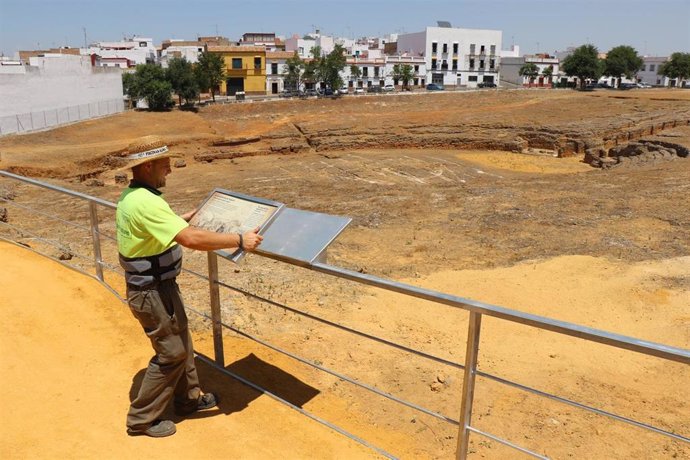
point(635, 153)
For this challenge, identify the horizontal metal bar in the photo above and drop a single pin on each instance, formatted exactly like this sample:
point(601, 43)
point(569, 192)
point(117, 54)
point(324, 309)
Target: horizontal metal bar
point(344, 328)
point(506, 443)
point(50, 216)
point(260, 389)
point(54, 243)
point(57, 188)
point(595, 335)
point(560, 399)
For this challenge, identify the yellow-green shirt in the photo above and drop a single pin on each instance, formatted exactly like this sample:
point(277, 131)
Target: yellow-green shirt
point(146, 226)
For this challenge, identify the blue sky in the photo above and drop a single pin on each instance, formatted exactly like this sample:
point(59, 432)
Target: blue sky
point(653, 27)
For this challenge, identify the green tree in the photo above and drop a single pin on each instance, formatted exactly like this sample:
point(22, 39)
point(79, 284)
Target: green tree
point(622, 60)
point(403, 73)
point(148, 82)
point(180, 74)
point(355, 74)
point(292, 71)
point(210, 72)
point(676, 68)
point(312, 67)
point(583, 63)
point(548, 72)
point(330, 67)
point(529, 70)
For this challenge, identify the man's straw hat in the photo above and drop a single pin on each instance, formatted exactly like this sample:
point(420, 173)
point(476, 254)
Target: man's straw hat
point(141, 151)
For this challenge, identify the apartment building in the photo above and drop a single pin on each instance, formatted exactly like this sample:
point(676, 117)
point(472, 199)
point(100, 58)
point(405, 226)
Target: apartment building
point(245, 69)
point(650, 72)
point(456, 57)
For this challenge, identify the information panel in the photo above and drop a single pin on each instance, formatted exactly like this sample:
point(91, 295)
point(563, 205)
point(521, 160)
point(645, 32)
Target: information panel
point(224, 211)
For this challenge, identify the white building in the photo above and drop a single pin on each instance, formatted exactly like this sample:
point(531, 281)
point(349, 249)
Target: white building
point(650, 72)
point(173, 48)
point(510, 70)
point(56, 89)
point(456, 57)
point(304, 45)
point(275, 70)
point(138, 50)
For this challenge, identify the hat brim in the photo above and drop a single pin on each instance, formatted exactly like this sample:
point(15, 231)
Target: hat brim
point(123, 163)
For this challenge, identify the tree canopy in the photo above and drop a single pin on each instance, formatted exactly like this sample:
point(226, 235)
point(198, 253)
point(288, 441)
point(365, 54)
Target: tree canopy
point(678, 67)
point(292, 71)
point(210, 72)
point(330, 67)
point(404, 74)
point(583, 63)
point(180, 74)
point(149, 82)
point(530, 70)
point(622, 60)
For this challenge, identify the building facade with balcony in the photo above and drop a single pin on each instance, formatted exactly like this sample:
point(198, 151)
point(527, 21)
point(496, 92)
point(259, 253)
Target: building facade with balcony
point(456, 57)
point(245, 69)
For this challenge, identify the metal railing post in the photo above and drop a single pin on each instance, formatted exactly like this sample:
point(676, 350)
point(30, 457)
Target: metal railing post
point(96, 240)
point(471, 354)
point(215, 308)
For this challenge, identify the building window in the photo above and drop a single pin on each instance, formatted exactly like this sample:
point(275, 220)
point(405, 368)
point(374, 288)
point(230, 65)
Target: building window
point(416, 69)
point(455, 64)
point(492, 63)
point(434, 47)
point(274, 68)
point(471, 63)
point(142, 44)
point(433, 64)
point(651, 67)
point(236, 63)
point(472, 78)
point(493, 49)
point(376, 72)
point(445, 48)
point(455, 48)
point(444, 65)
point(472, 48)
point(365, 72)
point(481, 50)
point(481, 63)
point(257, 63)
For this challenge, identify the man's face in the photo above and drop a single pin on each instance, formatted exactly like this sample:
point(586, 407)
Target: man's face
point(159, 169)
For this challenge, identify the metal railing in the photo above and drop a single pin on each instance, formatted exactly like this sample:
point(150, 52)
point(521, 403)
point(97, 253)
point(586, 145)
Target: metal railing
point(476, 311)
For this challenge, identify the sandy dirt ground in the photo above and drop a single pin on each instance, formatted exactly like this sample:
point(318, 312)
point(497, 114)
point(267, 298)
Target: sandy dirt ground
point(431, 206)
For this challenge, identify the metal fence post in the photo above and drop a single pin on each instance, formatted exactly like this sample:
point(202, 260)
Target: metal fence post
point(96, 240)
point(468, 384)
point(215, 308)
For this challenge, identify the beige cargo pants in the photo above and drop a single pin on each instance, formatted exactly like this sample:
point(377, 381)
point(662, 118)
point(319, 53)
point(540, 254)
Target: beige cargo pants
point(171, 372)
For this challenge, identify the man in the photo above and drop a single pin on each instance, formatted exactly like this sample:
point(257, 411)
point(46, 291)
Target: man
point(149, 235)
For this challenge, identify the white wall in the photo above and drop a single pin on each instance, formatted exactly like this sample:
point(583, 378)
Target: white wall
point(55, 90)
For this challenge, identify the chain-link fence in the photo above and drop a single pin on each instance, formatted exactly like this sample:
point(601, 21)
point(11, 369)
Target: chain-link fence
point(42, 119)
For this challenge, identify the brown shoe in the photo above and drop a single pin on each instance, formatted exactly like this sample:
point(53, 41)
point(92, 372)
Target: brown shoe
point(158, 429)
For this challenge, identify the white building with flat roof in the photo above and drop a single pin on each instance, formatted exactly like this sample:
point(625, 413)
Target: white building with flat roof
point(139, 50)
point(456, 57)
point(650, 72)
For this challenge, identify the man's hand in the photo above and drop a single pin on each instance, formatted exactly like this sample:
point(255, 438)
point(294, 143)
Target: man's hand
point(251, 240)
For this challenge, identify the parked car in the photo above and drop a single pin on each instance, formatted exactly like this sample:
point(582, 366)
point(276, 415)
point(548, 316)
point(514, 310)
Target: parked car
point(627, 86)
point(375, 89)
point(434, 87)
point(288, 93)
point(603, 84)
point(389, 88)
point(359, 90)
point(641, 84)
point(326, 92)
point(310, 92)
point(344, 90)
point(486, 84)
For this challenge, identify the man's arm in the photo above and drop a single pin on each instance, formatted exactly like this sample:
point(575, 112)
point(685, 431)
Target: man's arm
point(204, 240)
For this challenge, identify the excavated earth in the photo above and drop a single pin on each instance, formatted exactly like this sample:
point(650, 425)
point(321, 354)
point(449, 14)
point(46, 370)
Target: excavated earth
point(571, 205)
